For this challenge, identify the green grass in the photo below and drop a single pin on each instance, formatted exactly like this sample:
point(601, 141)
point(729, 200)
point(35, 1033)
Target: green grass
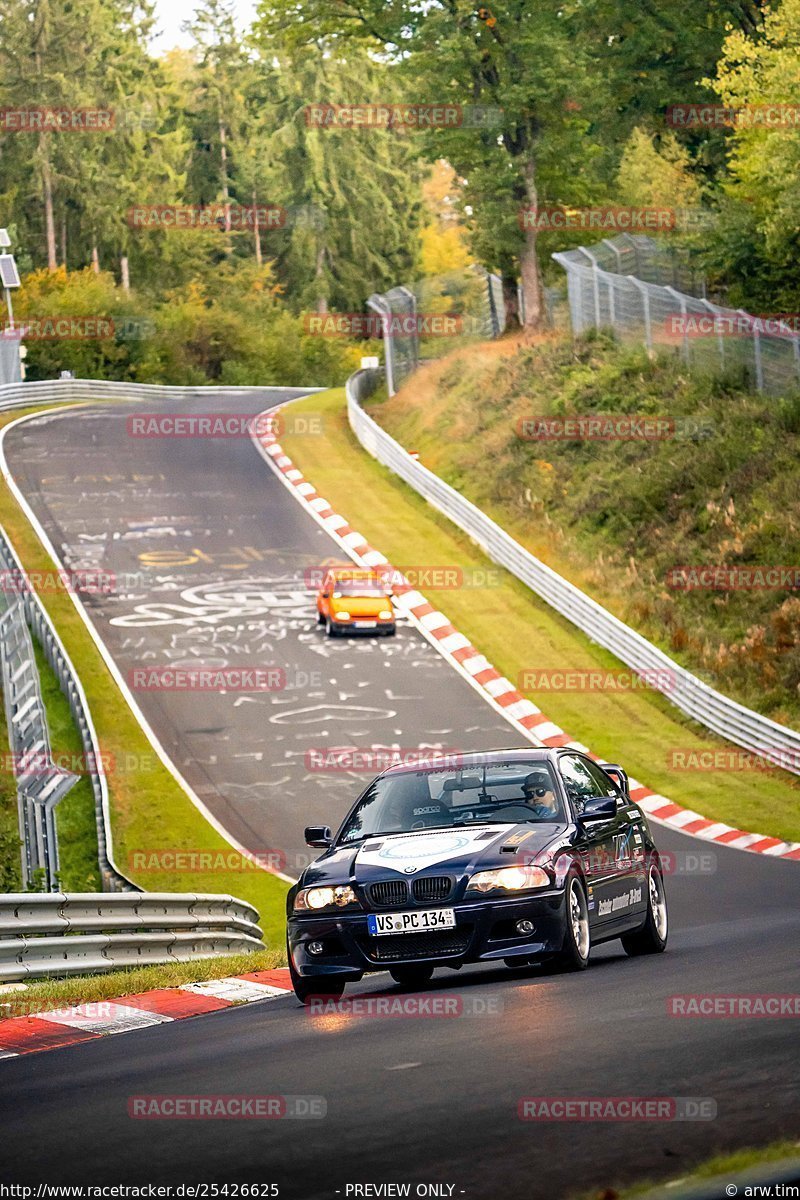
point(149, 810)
point(61, 993)
point(616, 516)
point(516, 631)
point(76, 825)
point(722, 1167)
point(10, 844)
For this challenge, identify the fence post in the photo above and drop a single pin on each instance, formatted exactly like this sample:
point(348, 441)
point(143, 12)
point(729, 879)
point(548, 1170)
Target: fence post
point(615, 250)
point(712, 308)
point(679, 296)
point(757, 358)
point(415, 327)
point(379, 305)
point(643, 289)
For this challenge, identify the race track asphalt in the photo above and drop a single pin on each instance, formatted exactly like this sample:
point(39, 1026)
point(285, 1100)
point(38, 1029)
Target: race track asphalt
point(409, 1100)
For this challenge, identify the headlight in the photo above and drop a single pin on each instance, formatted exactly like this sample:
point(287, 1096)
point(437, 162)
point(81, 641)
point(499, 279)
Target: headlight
point(342, 615)
point(324, 897)
point(386, 614)
point(509, 879)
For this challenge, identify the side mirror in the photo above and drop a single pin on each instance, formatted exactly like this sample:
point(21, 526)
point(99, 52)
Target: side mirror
point(599, 808)
point(326, 595)
point(619, 776)
point(319, 836)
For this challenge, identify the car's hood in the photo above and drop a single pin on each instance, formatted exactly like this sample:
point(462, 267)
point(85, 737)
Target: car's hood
point(361, 606)
point(452, 851)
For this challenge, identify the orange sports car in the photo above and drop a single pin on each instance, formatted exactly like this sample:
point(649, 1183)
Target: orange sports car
point(352, 601)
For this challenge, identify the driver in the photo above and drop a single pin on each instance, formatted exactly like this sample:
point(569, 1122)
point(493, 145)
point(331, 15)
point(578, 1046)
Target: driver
point(537, 789)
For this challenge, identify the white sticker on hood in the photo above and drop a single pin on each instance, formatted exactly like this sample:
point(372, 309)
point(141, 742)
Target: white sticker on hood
point(415, 851)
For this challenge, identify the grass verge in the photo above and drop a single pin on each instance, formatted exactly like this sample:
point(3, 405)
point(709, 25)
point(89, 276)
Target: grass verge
point(10, 844)
point(517, 631)
point(149, 810)
point(721, 1167)
point(712, 484)
point(76, 825)
point(47, 994)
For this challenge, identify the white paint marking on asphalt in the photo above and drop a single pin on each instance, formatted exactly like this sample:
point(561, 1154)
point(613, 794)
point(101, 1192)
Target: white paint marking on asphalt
point(236, 990)
point(404, 1066)
point(104, 1017)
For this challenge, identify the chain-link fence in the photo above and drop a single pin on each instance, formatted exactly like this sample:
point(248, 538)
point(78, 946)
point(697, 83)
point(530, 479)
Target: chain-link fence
point(625, 284)
point(422, 320)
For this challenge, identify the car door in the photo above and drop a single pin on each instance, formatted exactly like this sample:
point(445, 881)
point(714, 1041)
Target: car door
point(600, 839)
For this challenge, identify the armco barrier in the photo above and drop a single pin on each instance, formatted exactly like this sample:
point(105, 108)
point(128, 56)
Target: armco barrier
point(36, 615)
point(67, 934)
point(41, 785)
point(691, 695)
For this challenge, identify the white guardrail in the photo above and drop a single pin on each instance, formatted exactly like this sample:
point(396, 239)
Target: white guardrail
point(691, 695)
point(55, 933)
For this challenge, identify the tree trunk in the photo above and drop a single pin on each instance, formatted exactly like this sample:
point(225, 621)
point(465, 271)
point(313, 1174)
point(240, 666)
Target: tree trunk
point(511, 299)
point(321, 305)
point(256, 230)
point(530, 277)
point(64, 240)
point(95, 260)
point(223, 158)
point(47, 198)
point(125, 274)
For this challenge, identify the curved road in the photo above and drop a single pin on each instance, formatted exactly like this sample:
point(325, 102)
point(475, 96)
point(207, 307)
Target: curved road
point(210, 562)
point(417, 1101)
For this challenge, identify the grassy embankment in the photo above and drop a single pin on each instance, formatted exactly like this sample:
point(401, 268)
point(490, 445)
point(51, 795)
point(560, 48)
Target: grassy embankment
point(517, 631)
point(616, 517)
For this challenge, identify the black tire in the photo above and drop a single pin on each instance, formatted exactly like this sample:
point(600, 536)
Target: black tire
point(574, 955)
point(412, 977)
point(391, 632)
point(320, 618)
point(652, 937)
point(306, 988)
point(331, 629)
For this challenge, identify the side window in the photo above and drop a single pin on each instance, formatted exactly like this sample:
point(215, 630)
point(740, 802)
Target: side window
point(579, 781)
point(601, 779)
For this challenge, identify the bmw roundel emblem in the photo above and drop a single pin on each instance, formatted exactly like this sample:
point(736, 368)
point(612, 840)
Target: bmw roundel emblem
point(409, 870)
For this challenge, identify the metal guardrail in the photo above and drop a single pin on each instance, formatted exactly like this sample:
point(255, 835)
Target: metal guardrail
point(62, 391)
point(691, 695)
point(70, 684)
point(608, 292)
point(85, 933)
point(40, 783)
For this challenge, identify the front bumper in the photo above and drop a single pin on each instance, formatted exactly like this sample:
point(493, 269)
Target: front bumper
point(361, 627)
point(484, 931)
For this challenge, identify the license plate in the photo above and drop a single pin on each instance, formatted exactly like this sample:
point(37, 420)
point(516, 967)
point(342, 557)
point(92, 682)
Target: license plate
point(366, 624)
point(411, 922)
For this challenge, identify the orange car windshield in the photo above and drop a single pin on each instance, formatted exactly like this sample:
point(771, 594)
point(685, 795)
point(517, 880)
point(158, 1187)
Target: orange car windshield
point(357, 589)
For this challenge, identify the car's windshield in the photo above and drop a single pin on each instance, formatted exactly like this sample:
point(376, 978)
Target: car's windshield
point(435, 799)
point(358, 589)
